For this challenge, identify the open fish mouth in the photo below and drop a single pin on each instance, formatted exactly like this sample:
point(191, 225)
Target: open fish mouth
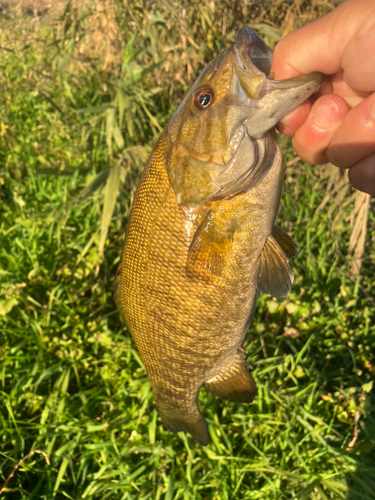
point(272, 99)
point(252, 51)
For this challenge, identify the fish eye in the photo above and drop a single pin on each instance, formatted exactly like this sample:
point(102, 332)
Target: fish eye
point(203, 99)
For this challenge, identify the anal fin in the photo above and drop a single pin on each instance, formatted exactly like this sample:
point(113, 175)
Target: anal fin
point(234, 382)
point(208, 251)
point(192, 423)
point(287, 244)
point(275, 275)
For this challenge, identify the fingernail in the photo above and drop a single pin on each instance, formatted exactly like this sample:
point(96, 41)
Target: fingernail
point(325, 113)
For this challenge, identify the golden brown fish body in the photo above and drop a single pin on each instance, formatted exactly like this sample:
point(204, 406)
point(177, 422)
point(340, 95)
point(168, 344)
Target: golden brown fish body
point(201, 241)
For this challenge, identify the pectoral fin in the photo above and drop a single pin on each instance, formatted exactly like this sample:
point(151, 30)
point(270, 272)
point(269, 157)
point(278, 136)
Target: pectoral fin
point(275, 275)
point(287, 244)
point(208, 251)
point(234, 383)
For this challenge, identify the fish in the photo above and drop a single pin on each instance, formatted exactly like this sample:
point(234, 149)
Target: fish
point(201, 241)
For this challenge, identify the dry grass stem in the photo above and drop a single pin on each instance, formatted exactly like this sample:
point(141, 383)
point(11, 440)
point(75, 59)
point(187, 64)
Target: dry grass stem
point(358, 221)
point(357, 416)
point(20, 463)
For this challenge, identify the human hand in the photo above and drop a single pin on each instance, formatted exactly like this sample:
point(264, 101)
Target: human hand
point(339, 126)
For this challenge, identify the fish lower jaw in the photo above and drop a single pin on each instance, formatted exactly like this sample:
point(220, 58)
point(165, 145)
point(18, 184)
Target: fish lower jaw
point(227, 178)
point(242, 161)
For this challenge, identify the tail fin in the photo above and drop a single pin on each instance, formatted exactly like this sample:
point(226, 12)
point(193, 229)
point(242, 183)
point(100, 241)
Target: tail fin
point(234, 382)
point(194, 424)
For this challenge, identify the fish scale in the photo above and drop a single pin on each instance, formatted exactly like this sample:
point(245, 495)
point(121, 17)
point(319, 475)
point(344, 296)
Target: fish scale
point(192, 268)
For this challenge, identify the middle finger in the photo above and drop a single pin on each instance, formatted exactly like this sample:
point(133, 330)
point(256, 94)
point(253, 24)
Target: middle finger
point(355, 137)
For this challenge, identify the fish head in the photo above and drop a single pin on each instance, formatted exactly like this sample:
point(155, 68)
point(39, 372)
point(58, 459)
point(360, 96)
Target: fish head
point(218, 139)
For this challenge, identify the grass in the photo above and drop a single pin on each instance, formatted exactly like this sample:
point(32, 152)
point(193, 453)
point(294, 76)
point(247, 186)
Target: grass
point(76, 411)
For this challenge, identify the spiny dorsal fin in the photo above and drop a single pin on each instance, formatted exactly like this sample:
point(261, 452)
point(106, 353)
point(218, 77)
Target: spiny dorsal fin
point(275, 275)
point(234, 383)
point(208, 251)
point(287, 244)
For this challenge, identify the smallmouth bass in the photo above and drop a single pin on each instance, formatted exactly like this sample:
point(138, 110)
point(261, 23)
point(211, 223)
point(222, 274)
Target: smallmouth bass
point(201, 242)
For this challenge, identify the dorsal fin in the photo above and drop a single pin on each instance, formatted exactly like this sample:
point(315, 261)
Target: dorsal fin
point(275, 275)
point(287, 244)
point(208, 251)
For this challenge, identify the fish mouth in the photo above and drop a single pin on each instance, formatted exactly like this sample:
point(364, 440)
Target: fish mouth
point(272, 99)
point(252, 51)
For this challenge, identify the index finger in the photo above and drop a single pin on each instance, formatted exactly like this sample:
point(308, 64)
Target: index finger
point(321, 46)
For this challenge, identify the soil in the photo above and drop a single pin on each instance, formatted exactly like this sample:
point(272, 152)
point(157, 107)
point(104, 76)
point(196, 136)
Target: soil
point(34, 8)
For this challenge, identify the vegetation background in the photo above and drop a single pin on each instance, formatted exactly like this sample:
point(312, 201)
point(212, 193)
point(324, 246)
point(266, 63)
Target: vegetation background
point(86, 88)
